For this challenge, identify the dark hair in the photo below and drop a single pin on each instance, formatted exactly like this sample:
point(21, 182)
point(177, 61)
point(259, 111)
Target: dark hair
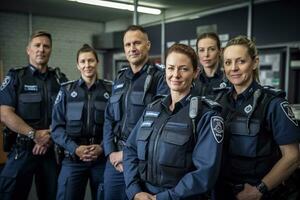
point(210, 35)
point(251, 47)
point(40, 33)
point(87, 48)
point(135, 28)
point(186, 50)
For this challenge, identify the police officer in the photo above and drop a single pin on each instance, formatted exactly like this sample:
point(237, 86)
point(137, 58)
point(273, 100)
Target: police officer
point(174, 152)
point(133, 89)
point(208, 47)
point(26, 97)
point(263, 135)
point(77, 125)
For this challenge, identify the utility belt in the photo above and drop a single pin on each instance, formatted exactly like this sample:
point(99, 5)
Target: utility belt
point(87, 141)
point(9, 139)
point(69, 156)
point(23, 142)
point(120, 143)
point(61, 153)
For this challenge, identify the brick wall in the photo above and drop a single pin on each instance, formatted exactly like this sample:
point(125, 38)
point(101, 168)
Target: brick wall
point(68, 36)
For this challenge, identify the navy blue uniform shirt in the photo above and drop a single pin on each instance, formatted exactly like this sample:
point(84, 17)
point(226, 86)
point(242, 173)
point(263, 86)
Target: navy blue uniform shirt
point(205, 154)
point(128, 102)
point(59, 117)
point(204, 86)
point(279, 116)
point(8, 90)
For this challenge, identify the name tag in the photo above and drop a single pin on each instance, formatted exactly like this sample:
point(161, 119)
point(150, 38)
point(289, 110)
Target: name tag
point(31, 88)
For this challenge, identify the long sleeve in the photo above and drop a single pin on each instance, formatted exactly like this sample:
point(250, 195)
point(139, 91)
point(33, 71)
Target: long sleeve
point(108, 134)
point(58, 126)
point(131, 161)
point(206, 159)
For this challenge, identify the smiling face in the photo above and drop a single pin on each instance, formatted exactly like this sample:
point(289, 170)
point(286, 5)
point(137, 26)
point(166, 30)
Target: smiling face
point(239, 66)
point(208, 52)
point(87, 65)
point(136, 47)
point(179, 73)
point(39, 50)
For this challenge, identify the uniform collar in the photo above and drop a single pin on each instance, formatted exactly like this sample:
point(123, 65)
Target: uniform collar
point(249, 91)
point(218, 75)
point(35, 72)
point(166, 102)
point(130, 75)
point(82, 84)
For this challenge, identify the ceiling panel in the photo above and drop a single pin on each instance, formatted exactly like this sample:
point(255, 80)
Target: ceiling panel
point(67, 9)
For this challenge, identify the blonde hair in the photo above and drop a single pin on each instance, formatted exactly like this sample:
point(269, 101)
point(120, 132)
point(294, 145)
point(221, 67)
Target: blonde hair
point(251, 47)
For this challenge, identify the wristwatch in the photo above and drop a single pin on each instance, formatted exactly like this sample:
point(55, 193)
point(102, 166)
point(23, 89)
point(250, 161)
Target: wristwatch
point(262, 188)
point(31, 134)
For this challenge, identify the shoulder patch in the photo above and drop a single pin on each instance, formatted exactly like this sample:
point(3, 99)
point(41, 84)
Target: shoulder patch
point(217, 128)
point(285, 106)
point(5, 82)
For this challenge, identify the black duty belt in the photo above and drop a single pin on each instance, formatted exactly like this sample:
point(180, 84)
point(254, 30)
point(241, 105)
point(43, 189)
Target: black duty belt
point(86, 141)
point(24, 142)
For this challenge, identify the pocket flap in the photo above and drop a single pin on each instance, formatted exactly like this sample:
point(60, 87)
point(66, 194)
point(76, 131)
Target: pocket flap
point(74, 110)
point(115, 98)
point(137, 98)
point(100, 105)
point(31, 97)
point(178, 138)
point(144, 133)
point(239, 127)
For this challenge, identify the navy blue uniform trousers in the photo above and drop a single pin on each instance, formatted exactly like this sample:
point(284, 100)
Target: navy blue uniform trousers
point(73, 179)
point(17, 175)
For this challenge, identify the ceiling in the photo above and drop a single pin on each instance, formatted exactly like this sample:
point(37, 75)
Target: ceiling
point(74, 10)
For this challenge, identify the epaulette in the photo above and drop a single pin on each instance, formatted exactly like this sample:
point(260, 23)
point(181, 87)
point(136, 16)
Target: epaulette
point(211, 103)
point(17, 68)
point(160, 67)
point(121, 71)
point(150, 105)
point(274, 91)
point(67, 84)
point(108, 82)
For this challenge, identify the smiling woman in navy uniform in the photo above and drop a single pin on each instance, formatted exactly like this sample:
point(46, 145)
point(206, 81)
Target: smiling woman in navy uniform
point(77, 123)
point(263, 135)
point(174, 151)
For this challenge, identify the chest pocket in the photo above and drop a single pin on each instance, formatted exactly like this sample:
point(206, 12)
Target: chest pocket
point(142, 142)
point(99, 112)
point(248, 144)
point(74, 116)
point(138, 106)
point(115, 101)
point(30, 106)
point(173, 149)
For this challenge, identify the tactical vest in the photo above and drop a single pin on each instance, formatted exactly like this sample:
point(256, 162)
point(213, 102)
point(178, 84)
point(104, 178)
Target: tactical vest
point(139, 92)
point(36, 97)
point(80, 124)
point(251, 149)
point(165, 144)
